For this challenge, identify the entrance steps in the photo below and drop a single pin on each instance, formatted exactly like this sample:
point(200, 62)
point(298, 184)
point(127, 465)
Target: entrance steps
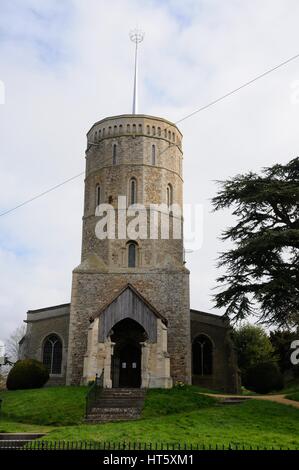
point(117, 404)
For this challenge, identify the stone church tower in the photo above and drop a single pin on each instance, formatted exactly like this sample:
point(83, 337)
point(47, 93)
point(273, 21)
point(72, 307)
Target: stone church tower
point(130, 313)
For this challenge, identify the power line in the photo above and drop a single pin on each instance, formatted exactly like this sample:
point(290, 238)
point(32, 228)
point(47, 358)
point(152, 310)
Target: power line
point(41, 194)
point(202, 108)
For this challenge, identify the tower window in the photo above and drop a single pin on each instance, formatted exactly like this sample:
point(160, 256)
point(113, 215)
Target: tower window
point(133, 191)
point(128, 128)
point(159, 131)
point(98, 194)
point(134, 128)
point(169, 195)
point(148, 130)
point(52, 354)
point(140, 128)
point(114, 152)
point(132, 255)
point(154, 130)
point(153, 155)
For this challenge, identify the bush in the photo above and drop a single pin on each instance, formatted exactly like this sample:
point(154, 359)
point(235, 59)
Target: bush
point(28, 373)
point(264, 378)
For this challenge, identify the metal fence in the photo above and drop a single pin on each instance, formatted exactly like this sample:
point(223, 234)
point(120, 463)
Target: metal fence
point(144, 446)
point(94, 392)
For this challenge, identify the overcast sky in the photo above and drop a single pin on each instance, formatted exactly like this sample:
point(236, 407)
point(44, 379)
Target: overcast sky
point(66, 64)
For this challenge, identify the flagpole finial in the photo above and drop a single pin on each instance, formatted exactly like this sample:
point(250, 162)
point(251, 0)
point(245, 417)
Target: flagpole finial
point(136, 36)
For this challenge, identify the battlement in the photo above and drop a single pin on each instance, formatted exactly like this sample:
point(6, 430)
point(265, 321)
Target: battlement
point(134, 125)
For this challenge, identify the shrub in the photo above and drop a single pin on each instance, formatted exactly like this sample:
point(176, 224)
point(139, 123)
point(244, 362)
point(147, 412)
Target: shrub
point(264, 378)
point(28, 373)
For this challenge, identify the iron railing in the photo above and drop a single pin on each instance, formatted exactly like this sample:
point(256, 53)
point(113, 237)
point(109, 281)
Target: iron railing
point(118, 446)
point(94, 392)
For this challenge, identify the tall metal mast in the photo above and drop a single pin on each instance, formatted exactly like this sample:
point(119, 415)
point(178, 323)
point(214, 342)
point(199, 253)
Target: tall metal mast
point(136, 36)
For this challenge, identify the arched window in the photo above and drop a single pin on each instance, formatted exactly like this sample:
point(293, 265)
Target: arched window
point(169, 195)
point(133, 191)
point(153, 155)
point(98, 195)
point(52, 354)
point(159, 131)
point(132, 255)
point(114, 151)
point(202, 355)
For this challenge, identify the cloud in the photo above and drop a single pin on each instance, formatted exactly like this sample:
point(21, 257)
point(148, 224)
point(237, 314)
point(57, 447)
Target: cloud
point(68, 64)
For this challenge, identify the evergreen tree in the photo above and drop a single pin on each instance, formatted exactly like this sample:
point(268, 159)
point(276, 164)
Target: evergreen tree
point(262, 268)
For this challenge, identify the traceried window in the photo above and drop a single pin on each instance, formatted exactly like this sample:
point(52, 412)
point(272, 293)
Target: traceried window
point(114, 154)
point(153, 155)
point(202, 355)
point(52, 354)
point(133, 191)
point(169, 195)
point(132, 254)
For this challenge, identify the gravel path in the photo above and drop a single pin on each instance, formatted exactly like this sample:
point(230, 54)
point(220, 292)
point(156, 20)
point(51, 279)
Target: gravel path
point(276, 398)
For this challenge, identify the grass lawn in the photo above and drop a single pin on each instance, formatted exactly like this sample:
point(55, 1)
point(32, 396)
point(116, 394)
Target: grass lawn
point(293, 396)
point(169, 416)
point(51, 406)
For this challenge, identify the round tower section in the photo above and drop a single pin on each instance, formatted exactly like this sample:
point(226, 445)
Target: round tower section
point(138, 157)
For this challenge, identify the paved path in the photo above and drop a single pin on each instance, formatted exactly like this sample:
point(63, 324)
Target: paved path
point(276, 398)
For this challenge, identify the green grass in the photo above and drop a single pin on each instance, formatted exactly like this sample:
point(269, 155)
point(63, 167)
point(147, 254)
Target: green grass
point(58, 406)
point(253, 423)
point(172, 416)
point(293, 396)
point(161, 402)
point(291, 387)
point(11, 426)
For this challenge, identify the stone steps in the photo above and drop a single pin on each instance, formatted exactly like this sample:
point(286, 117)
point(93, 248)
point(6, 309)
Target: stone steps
point(117, 404)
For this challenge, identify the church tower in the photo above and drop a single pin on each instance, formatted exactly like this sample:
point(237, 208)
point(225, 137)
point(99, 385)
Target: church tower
point(125, 288)
point(130, 313)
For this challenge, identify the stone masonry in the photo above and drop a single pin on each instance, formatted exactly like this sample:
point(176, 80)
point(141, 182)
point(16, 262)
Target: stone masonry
point(160, 275)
